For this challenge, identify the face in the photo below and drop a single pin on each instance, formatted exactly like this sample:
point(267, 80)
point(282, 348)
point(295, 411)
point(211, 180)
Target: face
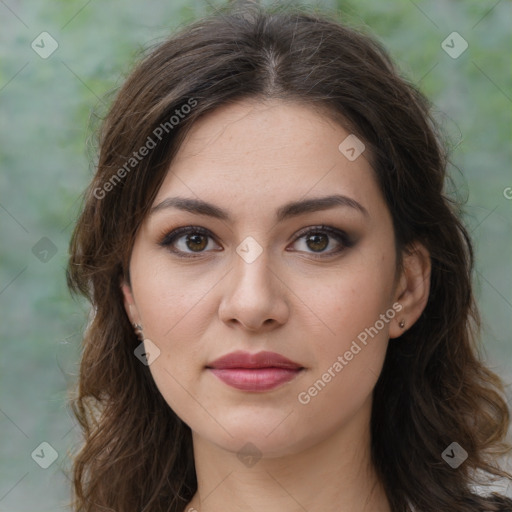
point(267, 267)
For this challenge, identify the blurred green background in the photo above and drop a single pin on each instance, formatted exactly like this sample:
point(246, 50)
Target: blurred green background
point(47, 158)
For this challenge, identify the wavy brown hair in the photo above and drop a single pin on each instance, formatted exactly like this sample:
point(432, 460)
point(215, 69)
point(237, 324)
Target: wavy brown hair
point(434, 388)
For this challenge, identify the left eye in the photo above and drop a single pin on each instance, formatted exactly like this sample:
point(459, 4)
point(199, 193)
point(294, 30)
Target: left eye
point(319, 239)
point(196, 240)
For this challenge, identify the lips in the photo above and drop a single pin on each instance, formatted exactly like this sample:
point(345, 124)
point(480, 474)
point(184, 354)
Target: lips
point(241, 359)
point(254, 372)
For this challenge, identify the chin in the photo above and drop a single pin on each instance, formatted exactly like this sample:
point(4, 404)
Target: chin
point(267, 435)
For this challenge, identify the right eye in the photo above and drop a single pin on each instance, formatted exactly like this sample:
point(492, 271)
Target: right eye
point(189, 238)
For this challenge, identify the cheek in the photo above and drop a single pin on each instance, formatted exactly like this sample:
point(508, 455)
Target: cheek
point(356, 308)
point(351, 299)
point(176, 324)
point(173, 311)
point(175, 318)
point(172, 301)
point(347, 363)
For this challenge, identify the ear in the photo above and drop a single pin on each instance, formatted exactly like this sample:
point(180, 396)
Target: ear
point(413, 288)
point(129, 303)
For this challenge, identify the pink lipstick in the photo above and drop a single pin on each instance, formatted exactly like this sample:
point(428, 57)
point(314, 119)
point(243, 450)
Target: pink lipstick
point(254, 372)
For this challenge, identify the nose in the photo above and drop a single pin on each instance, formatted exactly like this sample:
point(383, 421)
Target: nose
point(254, 297)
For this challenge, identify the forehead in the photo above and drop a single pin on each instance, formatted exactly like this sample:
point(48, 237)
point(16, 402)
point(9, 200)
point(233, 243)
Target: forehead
point(257, 153)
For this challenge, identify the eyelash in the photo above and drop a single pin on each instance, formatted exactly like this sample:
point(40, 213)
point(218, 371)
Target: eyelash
point(340, 236)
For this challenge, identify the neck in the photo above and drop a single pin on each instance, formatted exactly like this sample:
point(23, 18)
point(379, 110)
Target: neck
point(334, 474)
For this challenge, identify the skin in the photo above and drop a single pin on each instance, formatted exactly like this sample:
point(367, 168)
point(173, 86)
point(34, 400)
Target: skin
point(251, 158)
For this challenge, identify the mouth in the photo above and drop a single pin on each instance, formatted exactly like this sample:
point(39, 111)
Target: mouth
point(254, 372)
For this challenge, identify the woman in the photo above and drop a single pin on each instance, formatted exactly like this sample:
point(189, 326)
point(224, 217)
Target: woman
point(283, 314)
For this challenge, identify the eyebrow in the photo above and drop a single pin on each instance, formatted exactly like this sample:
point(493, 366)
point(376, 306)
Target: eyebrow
point(289, 210)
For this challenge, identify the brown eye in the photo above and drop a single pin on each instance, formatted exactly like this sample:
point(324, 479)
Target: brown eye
point(196, 242)
point(317, 241)
point(188, 240)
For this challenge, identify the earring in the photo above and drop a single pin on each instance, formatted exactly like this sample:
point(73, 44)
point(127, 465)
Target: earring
point(401, 324)
point(138, 330)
